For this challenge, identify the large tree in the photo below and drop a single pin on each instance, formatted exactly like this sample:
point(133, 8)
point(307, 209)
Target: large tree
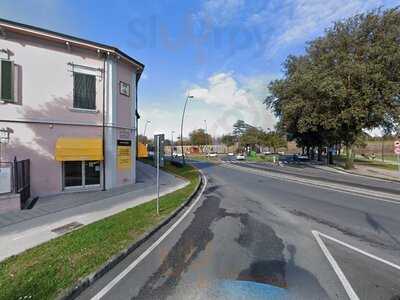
point(348, 81)
point(228, 140)
point(200, 138)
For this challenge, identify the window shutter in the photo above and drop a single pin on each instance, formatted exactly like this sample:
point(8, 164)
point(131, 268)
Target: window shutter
point(84, 91)
point(7, 81)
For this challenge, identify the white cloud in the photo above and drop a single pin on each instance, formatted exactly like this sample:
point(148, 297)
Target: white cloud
point(222, 90)
point(308, 17)
point(230, 99)
point(222, 100)
point(282, 23)
point(220, 12)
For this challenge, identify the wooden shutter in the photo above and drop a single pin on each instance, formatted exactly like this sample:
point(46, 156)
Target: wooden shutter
point(84, 91)
point(7, 89)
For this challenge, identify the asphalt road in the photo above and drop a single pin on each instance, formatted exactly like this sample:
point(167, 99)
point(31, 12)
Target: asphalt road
point(305, 170)
point(250, 237)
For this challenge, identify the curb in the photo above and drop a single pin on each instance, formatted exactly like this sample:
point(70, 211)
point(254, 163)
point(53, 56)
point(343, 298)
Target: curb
point(366, 175)
point(355, 185)
point(89, 280)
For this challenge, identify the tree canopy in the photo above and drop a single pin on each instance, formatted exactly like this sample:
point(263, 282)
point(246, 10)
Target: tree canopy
point(199, 137)
point(347, 81)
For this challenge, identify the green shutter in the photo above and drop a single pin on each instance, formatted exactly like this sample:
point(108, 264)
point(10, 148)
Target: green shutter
point(6, 81)
point(84, 91)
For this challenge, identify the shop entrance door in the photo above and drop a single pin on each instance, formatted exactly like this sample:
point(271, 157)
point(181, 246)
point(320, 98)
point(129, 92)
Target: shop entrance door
point(81, 174)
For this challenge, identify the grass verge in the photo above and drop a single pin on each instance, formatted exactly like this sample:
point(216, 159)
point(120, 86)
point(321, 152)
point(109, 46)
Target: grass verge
point(387, 165)
point(262, 158)
point(43, 272)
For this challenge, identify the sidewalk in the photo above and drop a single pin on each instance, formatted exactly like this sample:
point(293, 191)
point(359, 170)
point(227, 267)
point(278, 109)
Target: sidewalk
point(55, 215)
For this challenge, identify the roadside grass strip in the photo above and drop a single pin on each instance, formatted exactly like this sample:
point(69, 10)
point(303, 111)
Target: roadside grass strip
point(47, 270)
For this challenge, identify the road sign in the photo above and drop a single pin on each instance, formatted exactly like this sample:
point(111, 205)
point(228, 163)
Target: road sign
point(159, 149)
point(397, 147)
point(397, 151)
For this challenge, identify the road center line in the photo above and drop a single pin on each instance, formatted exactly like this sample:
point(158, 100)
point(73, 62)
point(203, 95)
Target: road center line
point(128, 269)
point(346, 284)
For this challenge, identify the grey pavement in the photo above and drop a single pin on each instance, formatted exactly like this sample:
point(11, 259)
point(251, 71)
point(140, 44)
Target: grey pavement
point(250, 237)
point(27, 228)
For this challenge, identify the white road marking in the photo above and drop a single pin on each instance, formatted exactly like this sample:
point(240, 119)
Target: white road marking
point(319, 184)
point(346, 284)
point(350, 292)
point(397, 267)
point(128, 269)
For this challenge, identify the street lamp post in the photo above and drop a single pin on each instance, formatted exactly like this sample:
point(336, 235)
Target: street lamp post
point(183, 117)
point(207, 150)
point(172, 143)
point(145, 127)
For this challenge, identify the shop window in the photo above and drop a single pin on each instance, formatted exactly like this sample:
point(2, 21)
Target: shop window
point(84, 91)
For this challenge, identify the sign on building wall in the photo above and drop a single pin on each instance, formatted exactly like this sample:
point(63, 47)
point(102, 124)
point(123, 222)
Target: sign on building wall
point(124, 155)
point(124, 134)
point(124, 89)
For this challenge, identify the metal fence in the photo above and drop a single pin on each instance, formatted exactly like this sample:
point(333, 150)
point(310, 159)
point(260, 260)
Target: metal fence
point(22, 180)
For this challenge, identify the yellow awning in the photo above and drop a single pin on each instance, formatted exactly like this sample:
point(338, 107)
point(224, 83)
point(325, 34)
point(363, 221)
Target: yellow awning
point(68, 149)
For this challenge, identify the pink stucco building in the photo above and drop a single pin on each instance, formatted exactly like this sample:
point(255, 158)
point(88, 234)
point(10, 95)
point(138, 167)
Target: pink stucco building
point(71, 105)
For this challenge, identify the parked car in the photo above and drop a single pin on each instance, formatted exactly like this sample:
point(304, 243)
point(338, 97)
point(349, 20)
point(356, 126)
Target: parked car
point(231, 154)
point(212, 154)
point(240, 157)
point(267, 152)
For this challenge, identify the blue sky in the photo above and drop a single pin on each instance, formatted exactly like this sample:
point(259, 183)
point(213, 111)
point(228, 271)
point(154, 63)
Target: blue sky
point(224, 52)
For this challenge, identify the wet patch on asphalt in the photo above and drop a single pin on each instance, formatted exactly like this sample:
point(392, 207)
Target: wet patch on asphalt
point(266, 251)
point(269, 265)
point(192, 241)
point(267, 247)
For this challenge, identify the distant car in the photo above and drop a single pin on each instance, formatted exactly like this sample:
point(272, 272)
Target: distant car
point(212, 154)
point(303, 158)
point(281, 153)
point(240, 157)
point(231, 154)
point(177, 154)
point(267, 152)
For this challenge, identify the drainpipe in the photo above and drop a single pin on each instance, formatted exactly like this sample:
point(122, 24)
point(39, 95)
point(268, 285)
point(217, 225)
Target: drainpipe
point(103, 125)
point(137, 117)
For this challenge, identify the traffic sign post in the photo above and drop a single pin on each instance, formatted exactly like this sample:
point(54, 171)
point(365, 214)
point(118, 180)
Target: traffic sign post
point(158, 172)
